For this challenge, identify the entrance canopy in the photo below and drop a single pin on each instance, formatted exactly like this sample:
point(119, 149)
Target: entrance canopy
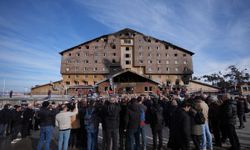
point(127, 76)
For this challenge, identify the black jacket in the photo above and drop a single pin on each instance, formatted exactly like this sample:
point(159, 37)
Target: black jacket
point(157, 119)
point(228, 112)
point(180, 129)
point(111, 113)
point(47, 117)
point(5, 116)
point(240, 107)
point(132, 118)
point(17, 118)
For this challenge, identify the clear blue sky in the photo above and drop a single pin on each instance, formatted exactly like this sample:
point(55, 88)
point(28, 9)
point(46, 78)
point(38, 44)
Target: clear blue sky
point(33, 32)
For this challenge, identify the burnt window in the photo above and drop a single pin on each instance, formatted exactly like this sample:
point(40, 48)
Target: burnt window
point(175, 54)
point(113, 47)
point(150, 88)
point(114, 54)
point(127, 55)
point(128, 62)
point(69, 54)
point(166, 47)
point(87, 47)
point(113, 61)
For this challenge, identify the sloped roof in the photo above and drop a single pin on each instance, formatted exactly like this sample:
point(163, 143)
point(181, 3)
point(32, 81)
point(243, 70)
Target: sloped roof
point(122, 72)
point(205, 84)
point(51, 83)
point(128, 30)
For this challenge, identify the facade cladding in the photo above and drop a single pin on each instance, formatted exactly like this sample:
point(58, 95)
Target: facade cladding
point(100, 58)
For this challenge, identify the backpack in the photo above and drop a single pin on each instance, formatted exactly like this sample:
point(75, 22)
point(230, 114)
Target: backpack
point(199, 118)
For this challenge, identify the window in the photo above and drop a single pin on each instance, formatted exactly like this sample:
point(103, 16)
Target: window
point(96, 61)
point(150, 61)
point(103, 69)
point(69, 54)
point(77, 61)
point(79, 47)
point(127, 41)
point(84, 69)
point(158, 61)
point(145, 88)
point(95, 82)
point(185, 62)
point(96, 54)
point(167, 61)
point(149, 69)
point(104, 54)
point(167, 69)
point(140, 54)
point(113, 47)
point(95, 69)
point(96, 47)
point(87, 47)
point(175, 55)
point(140, 47)
point(76, 82)
point(86, 54)
point(150, 88)
point(141, 61)
point(86, 61)
point(78, 54)
point(68, 76)
point(176, 69)
point(106, 88)
point(166, 46)
point(127, 55)
point(67, 83)
point(184, 55)
point(167, 54)
point(149, 54)
point(158, 69)
point(113, 61)
point(128, 62)
point(157, 47)
point(127, 48)
point(244, 88)
point(67, 69)
point(149, 48)
point(114, 54)
point(95, 76)
point(158, 55)
point(176, 62)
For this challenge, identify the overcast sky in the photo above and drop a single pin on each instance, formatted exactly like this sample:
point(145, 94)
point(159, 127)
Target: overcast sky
point(33, 32)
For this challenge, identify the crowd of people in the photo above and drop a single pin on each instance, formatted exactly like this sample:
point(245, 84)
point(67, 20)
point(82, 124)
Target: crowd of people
point(121, 122)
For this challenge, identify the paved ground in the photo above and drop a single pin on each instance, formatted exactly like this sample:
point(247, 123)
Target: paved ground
point(30, 143)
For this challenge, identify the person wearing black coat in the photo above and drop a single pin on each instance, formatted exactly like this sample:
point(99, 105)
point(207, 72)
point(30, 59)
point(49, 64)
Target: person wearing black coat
point(122, 134)
point(111, 114)
point(4, 119)
point(228, 119)
point(17, 118)
point(47, 121)
point(156, 123)
point(132, 124)
point(28, 114)
point(180, 128)
point(240, 111)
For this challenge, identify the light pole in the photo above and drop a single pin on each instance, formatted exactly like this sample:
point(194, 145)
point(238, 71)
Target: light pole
point(3, 86)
